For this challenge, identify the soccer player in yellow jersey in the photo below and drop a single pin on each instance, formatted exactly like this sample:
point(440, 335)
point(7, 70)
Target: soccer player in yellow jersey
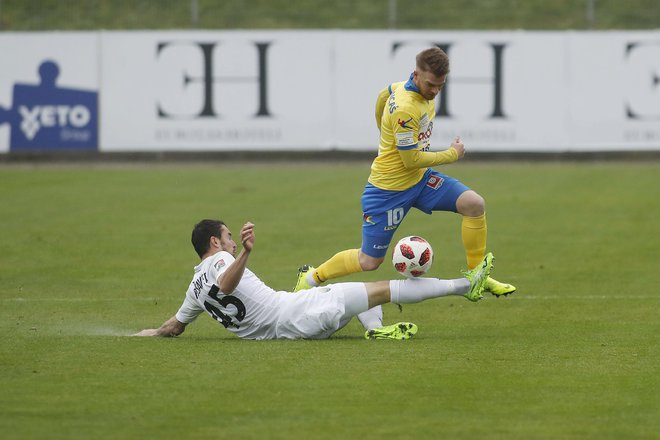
point(402, 178)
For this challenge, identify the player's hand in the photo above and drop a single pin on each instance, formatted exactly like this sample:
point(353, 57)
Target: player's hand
point(247, 236)
point(457, 144)
point(147, 332)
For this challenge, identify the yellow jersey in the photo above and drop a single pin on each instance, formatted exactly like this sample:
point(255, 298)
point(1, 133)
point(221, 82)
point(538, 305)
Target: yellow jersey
point(405, 120)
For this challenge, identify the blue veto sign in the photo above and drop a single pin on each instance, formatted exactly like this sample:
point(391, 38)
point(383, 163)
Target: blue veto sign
point(47, 117)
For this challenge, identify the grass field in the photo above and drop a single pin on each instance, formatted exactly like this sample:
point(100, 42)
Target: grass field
point(34, 15)
point(91, 253)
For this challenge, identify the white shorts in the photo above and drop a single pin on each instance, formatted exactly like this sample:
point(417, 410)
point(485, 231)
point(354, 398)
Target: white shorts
point(318, 312)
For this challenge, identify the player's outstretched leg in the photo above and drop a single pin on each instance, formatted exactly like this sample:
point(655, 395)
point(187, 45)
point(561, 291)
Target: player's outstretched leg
point(400, 330)
point(478, 278)
point(302, 282)
point(499, 289)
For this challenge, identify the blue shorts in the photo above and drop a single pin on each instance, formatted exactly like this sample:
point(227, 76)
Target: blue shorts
point(383, 211)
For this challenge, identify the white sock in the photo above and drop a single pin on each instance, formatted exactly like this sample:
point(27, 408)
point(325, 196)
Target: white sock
point(310, 279)
point(416, 290)
point(372, 318)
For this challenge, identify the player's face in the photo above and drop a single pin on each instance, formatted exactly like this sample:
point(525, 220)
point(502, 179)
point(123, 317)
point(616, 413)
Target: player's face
point(226, 242)
point(428, 83)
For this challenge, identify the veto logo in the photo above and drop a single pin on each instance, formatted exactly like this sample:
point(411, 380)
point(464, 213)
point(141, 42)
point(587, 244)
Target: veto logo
point(47, 117)
point(52, 116)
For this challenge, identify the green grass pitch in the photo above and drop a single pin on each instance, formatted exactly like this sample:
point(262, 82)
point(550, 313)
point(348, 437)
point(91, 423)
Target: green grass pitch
point(91, 253)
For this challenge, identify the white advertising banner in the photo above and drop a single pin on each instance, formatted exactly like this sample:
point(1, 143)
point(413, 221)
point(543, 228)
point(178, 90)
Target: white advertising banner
point(513, 91)
point(217, 91)
point(614, 91)
point(505, 91)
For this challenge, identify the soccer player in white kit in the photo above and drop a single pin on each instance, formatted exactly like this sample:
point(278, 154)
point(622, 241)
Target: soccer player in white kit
point(223, 287)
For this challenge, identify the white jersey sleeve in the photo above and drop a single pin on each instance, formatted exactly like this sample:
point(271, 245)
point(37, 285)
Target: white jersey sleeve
point(188, 311)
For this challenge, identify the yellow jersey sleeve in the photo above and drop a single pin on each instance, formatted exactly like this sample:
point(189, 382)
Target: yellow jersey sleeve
point(423, 159)
point(380, 103)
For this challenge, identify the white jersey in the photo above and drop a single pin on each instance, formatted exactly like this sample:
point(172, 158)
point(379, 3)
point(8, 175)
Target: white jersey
point(256, 311)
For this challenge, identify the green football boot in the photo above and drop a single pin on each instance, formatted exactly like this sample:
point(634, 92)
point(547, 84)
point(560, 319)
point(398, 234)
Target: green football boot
point(478, 278)
point(302, 283)
point(399, 331)
point(499, 289)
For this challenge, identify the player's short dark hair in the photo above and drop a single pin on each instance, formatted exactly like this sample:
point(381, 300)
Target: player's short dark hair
point(202, 233)
point(433, 60)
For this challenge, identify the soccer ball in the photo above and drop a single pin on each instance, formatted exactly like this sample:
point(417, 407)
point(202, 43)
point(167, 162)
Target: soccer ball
point(412, 256)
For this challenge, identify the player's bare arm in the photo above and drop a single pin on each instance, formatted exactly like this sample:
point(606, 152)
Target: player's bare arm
point(228, 280)
point(170, 328)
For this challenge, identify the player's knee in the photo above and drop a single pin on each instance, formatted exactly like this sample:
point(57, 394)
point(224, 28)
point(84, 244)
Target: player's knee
point(471, 204)
point(378, 293)
point(370, 263)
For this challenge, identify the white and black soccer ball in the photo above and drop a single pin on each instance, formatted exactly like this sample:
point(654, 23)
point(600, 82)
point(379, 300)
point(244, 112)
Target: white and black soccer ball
point(412, 256)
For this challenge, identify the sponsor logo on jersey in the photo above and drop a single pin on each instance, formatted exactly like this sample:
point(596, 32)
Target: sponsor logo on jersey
point(367, 219)
point(405, 139)
point(426, 134)
point(434, 182)
point(404, 124)
point(220, 264)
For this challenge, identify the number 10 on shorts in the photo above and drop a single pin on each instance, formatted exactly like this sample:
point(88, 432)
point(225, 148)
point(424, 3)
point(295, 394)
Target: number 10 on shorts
point(394, 217)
